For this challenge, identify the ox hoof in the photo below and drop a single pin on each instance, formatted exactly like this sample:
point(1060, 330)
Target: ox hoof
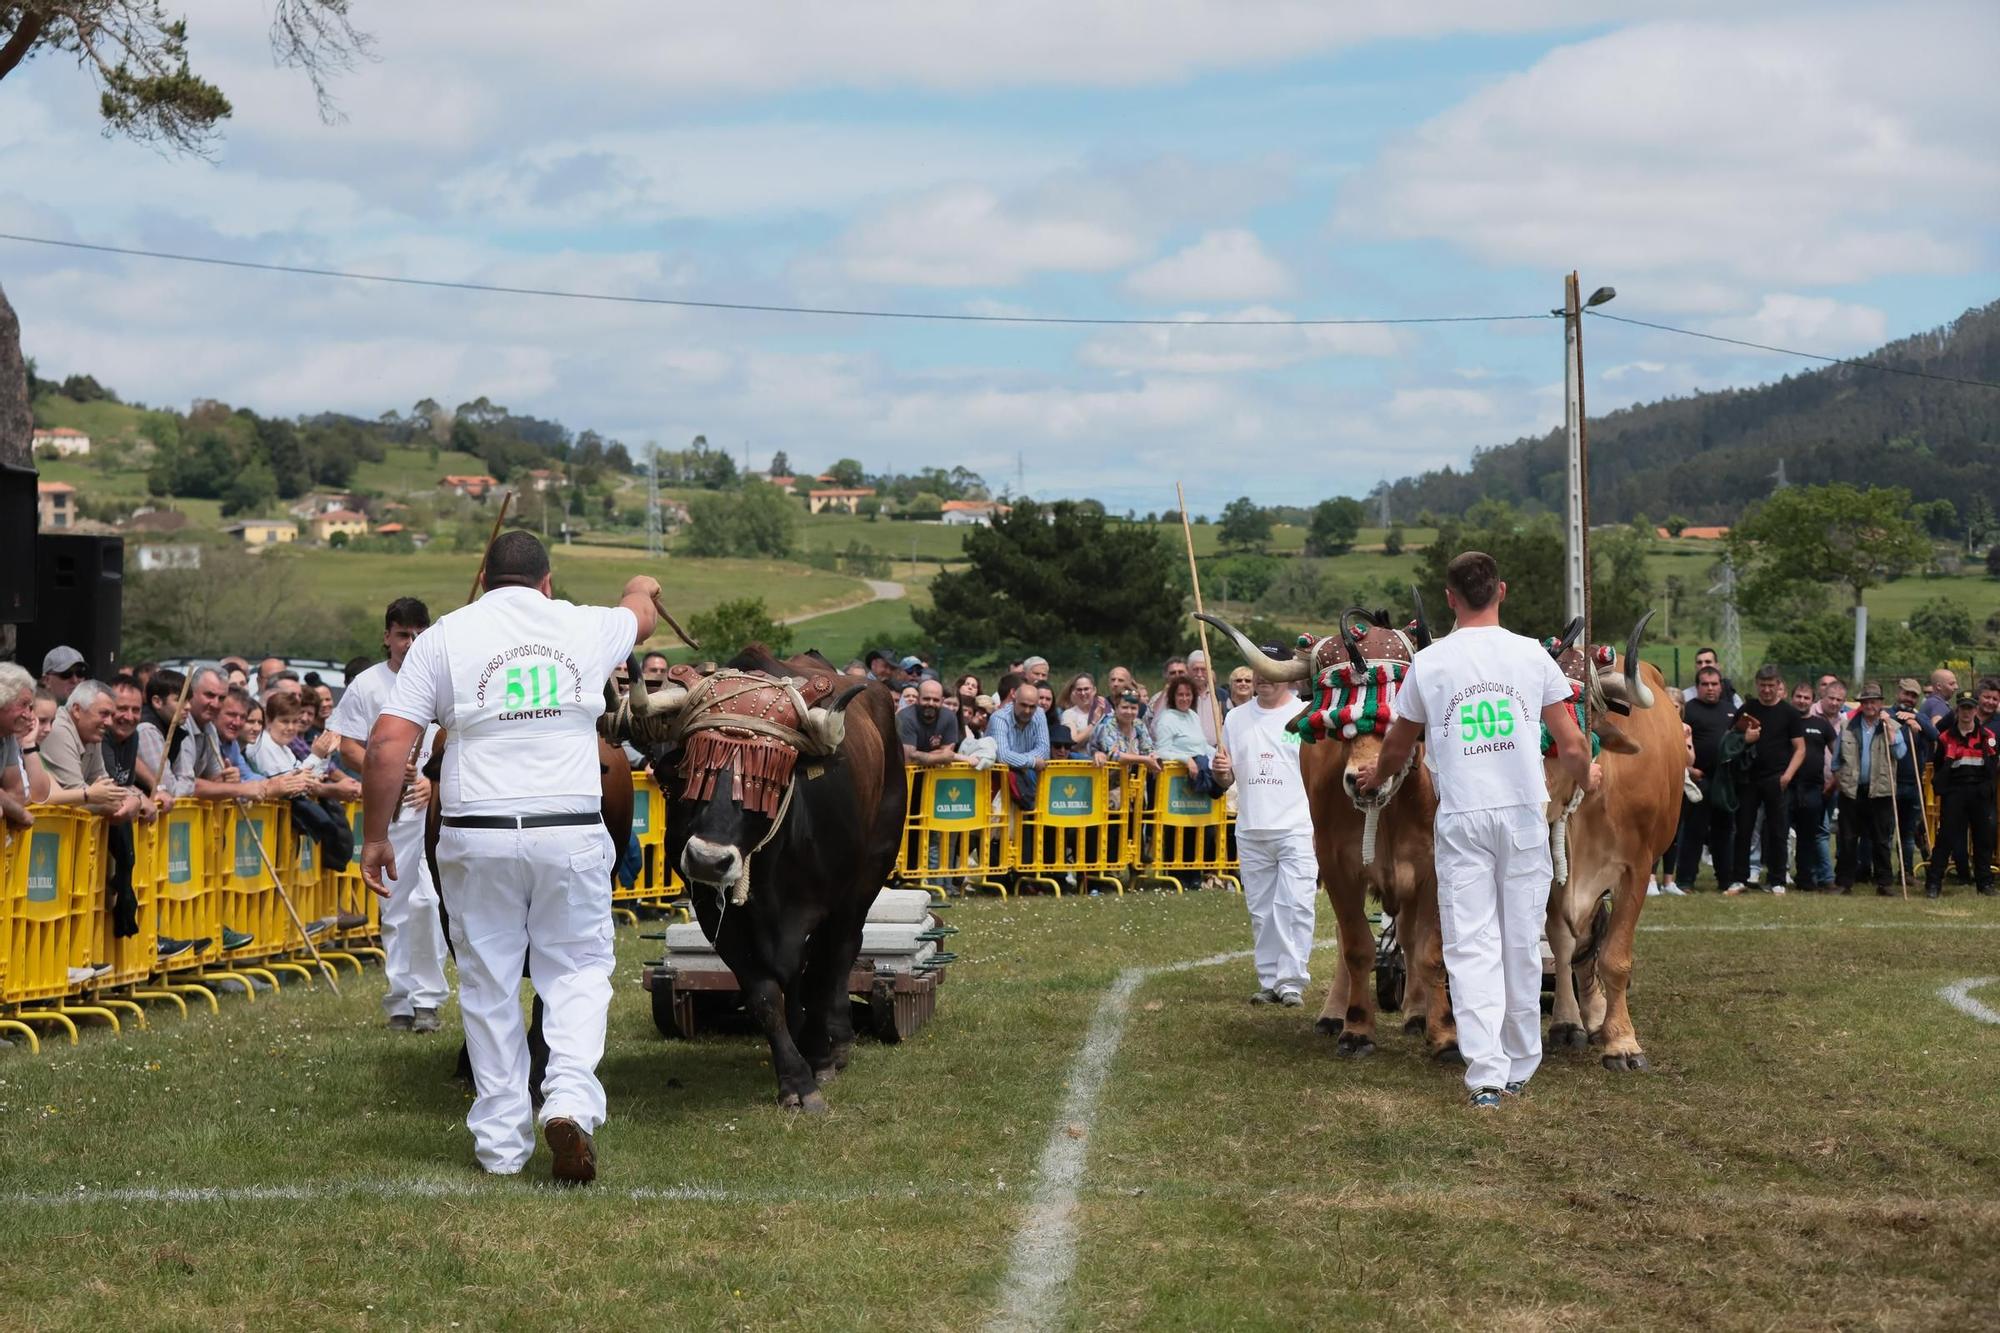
point(1449, 1054)
point(814, 1104)
point(825, 1074)
point(1569, 1036)
point(1635, 1063)
point(1414, 1024)
point(1352, 1046)
point(1327, 1025)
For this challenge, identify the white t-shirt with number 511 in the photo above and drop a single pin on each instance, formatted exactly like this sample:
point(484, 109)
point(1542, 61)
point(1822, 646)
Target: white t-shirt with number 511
point(1479, 695)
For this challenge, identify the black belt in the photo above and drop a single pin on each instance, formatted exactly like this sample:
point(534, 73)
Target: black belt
point(521, 821)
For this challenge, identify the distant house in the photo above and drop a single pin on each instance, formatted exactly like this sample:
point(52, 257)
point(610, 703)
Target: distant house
point(1699, 534)
point(541, 478)
point(472, 488)
point(169, 555)
point(390, 530)
point(57, 503)
point(61, 439)
point(324, 526)
point(156, 520)
point(257, 533)
point(845, 499)
point(319, 503)
point(968, 513)
point(420, 540)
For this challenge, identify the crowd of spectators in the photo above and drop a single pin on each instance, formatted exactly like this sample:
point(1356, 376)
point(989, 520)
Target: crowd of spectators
point(1803, 789)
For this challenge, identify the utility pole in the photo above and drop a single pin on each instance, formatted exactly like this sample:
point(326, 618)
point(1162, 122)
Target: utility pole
point(1732, 628)
point(1576, 508)
point(653, 533)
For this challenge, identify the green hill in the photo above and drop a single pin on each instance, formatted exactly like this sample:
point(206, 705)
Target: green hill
point(1706, 455)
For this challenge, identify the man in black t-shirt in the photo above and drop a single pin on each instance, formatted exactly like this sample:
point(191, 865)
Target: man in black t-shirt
point(1807, 798)
point(1703, 825)
point(1780, 749)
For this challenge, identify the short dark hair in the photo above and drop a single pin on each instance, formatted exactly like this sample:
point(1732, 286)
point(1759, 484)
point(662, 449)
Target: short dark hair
point(1987, 683)
point(651, 653)
point(516, 559)
point(164, 686)
point(1706, 672)
point(355, 666)
point(1475, 577)
point(1769, 671)
point(239, 694)
point(1174, 687)
point(408, 612)
point(1008, 684)
point(286, 674)
point(1710, 651)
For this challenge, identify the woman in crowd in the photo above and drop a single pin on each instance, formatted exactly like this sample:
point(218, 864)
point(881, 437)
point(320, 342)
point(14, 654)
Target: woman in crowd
point(1122, 736)
point(966, 691)
point(906, 698)
point(974, 745)
point(253, 728)
point(304, 781)
point(45, 715)
point(1242, 686)
point(1177, 736)
point(1082, 707)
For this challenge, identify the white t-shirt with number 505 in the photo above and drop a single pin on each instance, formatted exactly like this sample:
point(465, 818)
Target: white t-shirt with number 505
point(1479, 694)
point(517, 680)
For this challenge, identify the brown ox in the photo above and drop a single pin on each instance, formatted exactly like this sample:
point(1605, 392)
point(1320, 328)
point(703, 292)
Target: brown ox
point(1380, 844)
point(1613, 838)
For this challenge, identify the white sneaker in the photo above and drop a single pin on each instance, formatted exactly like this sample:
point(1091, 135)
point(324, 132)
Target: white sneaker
point(1778, 889)
point(1673, 890)
point(1652, 888)
point(1734, 890)
point(1290, 998)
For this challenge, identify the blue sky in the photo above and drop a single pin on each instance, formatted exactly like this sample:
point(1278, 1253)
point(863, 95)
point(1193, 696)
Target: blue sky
point(1817, 176)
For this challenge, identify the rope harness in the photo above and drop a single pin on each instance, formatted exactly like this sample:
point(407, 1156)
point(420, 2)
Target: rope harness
point(1559, 834)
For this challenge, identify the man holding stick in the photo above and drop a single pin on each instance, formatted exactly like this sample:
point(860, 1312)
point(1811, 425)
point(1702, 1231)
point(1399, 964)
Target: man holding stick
point(524, 863)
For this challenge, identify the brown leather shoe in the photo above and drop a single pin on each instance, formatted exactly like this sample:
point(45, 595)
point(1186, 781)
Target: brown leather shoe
point(576, 1158)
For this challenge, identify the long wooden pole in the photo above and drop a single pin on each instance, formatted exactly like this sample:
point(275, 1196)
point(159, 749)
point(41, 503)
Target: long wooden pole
point(1194, 577)
point(506, 499)
point(333, 980)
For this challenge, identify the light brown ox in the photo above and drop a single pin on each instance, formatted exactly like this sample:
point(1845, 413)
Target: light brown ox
point(1400, 872)
point(1614, 837)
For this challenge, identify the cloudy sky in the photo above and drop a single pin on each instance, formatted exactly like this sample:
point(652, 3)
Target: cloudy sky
point(1816, 175)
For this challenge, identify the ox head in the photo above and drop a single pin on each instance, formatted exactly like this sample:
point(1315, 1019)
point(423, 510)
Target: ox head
point(1356, 672)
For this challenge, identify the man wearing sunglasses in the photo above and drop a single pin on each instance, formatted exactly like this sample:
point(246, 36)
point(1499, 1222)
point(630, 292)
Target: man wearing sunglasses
point(62, 671)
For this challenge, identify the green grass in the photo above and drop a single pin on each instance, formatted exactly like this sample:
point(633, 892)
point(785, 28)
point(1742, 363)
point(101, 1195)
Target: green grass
point(404, 471)
point(98, 420)
point(1813, 1148)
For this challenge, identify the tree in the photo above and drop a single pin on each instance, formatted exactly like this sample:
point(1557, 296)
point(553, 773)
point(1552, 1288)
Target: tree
point(1939, 518)
point(1943, 622)
point(758, 521)
point(86, 389)
point(1244, 526)
point(1979, 521)
point(1806, 537)
point(1675, 525)
point(1335, 525)
point(617, 458)
point(1392, 542)
point(251, 490)
point(1076, 587)
point(846, 472)
point(136, 53)
point(1529, 551)
point(728, 627)
point(279, 442)
point(781, 465)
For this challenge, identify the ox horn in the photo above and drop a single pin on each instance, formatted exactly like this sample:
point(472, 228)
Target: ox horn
point(1267, 667)
point(1421, 624)
point(1629, 684)
point(823, 728)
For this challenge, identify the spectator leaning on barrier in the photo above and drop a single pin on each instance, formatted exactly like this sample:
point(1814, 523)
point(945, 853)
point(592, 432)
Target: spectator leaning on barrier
point(1204, 689)
point(197, 766)
point(929, 730)
point(1020, 735)
point(966, 689)
point(74, 761)
point(156, 709)
point(229, 730)
point(23, 780)
point(1122, 737)
point(1082, 708)
point(1966, 764)
point(1865, 764)
point(62, 670)
point(975, 747)
point(1273, 837)
point(120, 748)
point(1179, 737)
point(1035, 669)
point(45, 713)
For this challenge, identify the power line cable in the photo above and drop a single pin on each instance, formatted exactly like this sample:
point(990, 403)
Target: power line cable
point(1790, 351)
point(626, 299)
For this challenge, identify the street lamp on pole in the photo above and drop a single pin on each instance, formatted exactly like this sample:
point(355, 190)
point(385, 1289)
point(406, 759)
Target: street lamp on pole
point(1576, 509)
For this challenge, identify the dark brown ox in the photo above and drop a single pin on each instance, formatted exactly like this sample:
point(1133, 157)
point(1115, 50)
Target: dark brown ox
point(784, 815)
point(1612, 839)
point(1380, 844)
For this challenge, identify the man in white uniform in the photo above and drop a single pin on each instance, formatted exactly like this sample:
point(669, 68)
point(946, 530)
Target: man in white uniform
point(1273, 838)
point(412, 933)
point(524, 863)
point(1474, 697)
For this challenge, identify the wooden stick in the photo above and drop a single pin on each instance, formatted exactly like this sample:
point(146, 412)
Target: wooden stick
point(243, 807)
point(506, 499)
point(1896, 816)
point(673, 624)
point(174, 727)
point(1194, 577)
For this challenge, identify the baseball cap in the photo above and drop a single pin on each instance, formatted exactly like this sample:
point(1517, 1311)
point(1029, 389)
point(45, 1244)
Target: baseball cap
point(984, 703)
point(911, 663)
point(60, 660)
point(1965, 699)
point(1871, 690)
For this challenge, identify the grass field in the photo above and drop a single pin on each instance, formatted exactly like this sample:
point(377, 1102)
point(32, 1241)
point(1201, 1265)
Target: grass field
point(1814, 1148)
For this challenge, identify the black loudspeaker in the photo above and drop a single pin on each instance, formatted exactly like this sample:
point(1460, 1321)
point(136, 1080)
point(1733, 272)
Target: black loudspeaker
point(80, 590)
point(18, 519)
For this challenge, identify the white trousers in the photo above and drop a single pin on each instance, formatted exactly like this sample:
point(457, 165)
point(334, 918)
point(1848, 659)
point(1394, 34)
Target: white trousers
point(412, 936)
point(1281, 889)
point(543, 897)
point(1493, 874)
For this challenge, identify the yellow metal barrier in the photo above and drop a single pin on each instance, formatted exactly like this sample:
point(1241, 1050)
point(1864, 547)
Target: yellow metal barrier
point(249, 902)
point(658, 884)
point(354, 901)
point(49, 920)
point(1182, 830)
point(954, 829)
point(1073, 829)
point(315, 895)
point(187, 896)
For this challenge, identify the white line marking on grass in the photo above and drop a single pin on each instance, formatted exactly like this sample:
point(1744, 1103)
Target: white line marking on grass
point(399, 1190)
point(1731, 928)
point(1959, 996)
point(1044, 1255)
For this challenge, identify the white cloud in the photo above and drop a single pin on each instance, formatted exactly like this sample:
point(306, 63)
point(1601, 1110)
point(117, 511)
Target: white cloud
point(1685, 160)
point(1810, 323)
point(1442, 404)
point(1226, 265)
point(968, 236)
point(1205, 348)
point(1633, 370)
